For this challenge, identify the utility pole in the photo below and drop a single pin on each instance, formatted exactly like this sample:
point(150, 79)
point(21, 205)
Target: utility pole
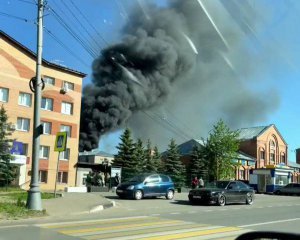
point(34, 201)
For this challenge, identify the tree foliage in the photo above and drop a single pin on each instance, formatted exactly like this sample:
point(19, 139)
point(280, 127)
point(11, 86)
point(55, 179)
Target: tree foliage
point(125, 155)
point(220, 150)
point(138, 160)
point(198, 164)
point(7, 169)
point(173, 165)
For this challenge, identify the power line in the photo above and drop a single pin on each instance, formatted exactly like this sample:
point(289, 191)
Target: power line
point(15, 17)
point(80, 23)
point(26, 1)
point(87, 20)
point(72, 32)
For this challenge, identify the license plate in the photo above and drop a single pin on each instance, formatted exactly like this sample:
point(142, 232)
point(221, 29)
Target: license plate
point(197, 197)
point(119, 190)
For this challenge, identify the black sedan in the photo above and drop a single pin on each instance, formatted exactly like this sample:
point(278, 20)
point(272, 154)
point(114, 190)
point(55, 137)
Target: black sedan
point(290, 189)
point(223, 192)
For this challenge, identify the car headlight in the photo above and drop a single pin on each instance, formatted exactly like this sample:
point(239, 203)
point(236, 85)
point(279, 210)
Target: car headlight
point(130, 187)
point(214, 193)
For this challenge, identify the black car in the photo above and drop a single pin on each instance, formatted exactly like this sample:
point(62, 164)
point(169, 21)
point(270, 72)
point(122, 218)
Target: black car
point(290, 189)
point(223, 192)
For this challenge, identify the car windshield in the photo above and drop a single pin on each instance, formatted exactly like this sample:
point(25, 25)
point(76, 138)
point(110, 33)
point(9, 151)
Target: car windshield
point(217, 184)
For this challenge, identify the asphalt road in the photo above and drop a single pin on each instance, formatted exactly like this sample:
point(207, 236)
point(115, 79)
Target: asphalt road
point(163, 219)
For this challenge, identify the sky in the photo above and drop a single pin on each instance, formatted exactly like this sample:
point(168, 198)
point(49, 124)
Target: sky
point(265, 61)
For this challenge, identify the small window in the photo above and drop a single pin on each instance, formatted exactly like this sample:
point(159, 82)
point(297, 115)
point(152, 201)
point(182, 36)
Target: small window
point(153, 179)
point(65, 155)
point(47, 127)
point(262, 154)
point(67, 108)
point(4, 94)
point(44, 152)
point(65, 128)
point(62, 177)
point(233, 186)
point(69, 86)
point(47, 104)
point(23, 124)
point(43, 175)
point(164, 178)
point(24, 99)
point(49, 80)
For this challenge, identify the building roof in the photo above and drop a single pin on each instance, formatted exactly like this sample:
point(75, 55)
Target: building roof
point(244, 156)
point(32, 54)
point(186, 148)
point(96, 152)
point(252, 132)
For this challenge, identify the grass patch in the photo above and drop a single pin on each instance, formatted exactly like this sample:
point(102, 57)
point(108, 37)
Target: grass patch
point(17, 210)
point(13, 205)
point(10, 189)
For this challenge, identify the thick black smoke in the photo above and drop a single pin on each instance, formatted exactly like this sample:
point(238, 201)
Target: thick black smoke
point(136, 74)
point(174, 58)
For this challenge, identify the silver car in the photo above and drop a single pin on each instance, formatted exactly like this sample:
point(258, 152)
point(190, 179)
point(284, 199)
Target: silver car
point(290, 189)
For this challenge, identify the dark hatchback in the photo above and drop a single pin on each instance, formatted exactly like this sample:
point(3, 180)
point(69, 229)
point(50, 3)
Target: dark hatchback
point(223, 192)
point(147, 185)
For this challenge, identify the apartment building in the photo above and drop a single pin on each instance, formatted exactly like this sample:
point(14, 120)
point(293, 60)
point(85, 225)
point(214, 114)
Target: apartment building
point(60, 111)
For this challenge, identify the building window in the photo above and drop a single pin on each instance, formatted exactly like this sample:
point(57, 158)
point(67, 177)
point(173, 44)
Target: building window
point(23, 124)
point(282, 158)
point(242, 174)
point(49, 80)
point(67, 108)
point(47, 104)
point(47, 127)
point(25, 149)
point(65, 155)
point(262, 154)
point(68, 86)
point(62, 177)
point(25, 99)
point(44, 152)
point(65, 128)
point(43, 175)
point(4, 94)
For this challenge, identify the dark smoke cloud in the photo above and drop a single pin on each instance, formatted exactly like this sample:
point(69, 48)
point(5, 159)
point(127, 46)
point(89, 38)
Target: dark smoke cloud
point(171, 78)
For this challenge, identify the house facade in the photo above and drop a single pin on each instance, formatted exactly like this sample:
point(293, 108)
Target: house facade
point(60, 111)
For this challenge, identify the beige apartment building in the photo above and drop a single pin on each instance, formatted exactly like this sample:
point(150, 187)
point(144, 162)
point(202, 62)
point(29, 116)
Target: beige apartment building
point(60, 111)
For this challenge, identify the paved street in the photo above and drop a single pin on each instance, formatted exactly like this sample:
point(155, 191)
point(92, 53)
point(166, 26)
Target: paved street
point(163, 219)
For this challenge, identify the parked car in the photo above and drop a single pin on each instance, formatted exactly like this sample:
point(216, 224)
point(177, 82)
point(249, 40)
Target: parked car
point(289, 189)
point(223, 192)
point(147, 185)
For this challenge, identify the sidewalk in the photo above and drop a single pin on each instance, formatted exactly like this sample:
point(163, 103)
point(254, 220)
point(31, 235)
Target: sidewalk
point(76, 203)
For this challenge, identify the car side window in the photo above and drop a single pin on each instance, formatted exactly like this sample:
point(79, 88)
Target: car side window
point(233, 186)
point(164, 178)
point(153, 179)
point(242, 185)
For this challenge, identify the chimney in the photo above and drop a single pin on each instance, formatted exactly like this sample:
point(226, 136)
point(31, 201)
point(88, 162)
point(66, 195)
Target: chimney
point(298, 155)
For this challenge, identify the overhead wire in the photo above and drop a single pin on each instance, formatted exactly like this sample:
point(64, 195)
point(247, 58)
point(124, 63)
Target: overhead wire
point(89, 23)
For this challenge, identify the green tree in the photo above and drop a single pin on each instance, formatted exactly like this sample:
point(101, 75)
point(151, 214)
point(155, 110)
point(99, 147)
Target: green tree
point(125, 155)
point(197, 165)
point(138, 160)
point(173, 165)
point(157, 161)
point(7, 170)
point(220, 150)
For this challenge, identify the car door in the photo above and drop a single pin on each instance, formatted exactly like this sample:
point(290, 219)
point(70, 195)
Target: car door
point(151, 185)
point(165, 184)
point(243, 190)
point(232, 192)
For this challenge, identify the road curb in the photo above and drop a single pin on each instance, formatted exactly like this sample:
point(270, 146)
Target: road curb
point(101, 207)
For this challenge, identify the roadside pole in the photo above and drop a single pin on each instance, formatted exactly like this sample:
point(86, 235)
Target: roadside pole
point(56, 177)
point(34, 201)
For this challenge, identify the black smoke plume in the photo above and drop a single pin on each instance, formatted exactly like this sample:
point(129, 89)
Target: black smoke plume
point(155, 66)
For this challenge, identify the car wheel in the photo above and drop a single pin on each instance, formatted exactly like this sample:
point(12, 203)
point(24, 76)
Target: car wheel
point(170, 195)
point(138, 195)
point(249, 198)
point(221, 200)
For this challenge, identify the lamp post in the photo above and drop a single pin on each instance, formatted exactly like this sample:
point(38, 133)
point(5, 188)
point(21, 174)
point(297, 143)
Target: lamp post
point(105, 163)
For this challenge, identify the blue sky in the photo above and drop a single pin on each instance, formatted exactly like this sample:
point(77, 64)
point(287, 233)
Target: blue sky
point(108, 16)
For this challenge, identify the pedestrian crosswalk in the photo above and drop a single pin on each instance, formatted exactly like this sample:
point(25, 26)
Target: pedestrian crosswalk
point(144, 228)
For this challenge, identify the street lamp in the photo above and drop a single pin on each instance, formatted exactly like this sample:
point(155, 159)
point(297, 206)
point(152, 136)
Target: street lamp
point(105, 164)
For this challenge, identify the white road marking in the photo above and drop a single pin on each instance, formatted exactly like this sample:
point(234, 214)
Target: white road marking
point(175, 213)
point(13, 226)
point(271, 222)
